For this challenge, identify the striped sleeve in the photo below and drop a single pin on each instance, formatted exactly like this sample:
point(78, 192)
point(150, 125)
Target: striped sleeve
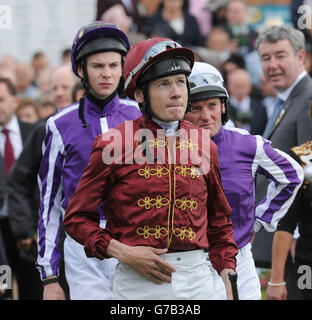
point(285, 176)
point(50, 214)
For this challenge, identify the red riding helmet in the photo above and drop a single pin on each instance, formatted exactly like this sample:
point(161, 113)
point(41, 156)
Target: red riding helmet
point(145, 54)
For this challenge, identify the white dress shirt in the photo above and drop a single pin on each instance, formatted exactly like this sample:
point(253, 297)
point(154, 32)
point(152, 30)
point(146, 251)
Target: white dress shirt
point(17, 144)
point(15, 137)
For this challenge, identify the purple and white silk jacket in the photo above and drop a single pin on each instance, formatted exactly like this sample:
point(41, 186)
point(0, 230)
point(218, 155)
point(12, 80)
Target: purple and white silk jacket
point(242, 156)
point(66, 149)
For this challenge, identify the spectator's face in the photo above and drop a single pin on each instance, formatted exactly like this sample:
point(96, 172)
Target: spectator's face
point(236, 12)
point(104, 72)
point(280, 64)
point(239, 84)
point(28, 114)
point(40, 63)
point(24, 76)
point(8, 104)
point(218, 40)
point(266, 88)
point(46, 111)
point(62, 86)
point(44, 81)
point(168, 97)
point(207, 114)
point(173, 4)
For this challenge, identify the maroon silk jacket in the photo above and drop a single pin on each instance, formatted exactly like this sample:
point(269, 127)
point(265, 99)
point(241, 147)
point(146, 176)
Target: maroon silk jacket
point(156, 191)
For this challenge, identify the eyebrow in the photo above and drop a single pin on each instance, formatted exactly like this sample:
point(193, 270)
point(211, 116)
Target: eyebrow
point(277, 52)
point(103, 63)
point(168, 78)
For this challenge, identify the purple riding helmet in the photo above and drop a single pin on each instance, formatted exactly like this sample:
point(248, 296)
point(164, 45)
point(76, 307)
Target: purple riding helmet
point(97, 37)
point(94, 38)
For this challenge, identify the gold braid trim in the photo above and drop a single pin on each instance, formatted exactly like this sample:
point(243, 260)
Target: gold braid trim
point(159, 231)
point(184, 204)
point(183, 170)
point(157, 143)
point(157, 202)
point(189, 144)
point(156, 232)
point(184, 233)
point(147, 172)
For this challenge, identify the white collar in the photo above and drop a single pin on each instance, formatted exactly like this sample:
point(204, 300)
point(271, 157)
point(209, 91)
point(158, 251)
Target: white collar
point(170, 127)
point(12, 126)
point(285, 94)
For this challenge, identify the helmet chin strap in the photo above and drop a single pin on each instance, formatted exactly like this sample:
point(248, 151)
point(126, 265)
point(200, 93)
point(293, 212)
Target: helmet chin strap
point(85, 84)
point(146, 105)
point(189, 105)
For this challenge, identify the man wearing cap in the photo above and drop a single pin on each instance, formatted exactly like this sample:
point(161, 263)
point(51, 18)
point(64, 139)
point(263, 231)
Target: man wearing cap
point(162, 189)
point(241, 157)
point(97, 57)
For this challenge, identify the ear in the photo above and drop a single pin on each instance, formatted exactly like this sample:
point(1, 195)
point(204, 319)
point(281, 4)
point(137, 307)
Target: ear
point(222, 107)
point(80, 72)
point(138, 95)
point(302, 55)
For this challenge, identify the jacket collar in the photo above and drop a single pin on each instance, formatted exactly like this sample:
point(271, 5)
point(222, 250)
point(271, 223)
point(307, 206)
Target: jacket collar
point(218, 136)
point(103, 110)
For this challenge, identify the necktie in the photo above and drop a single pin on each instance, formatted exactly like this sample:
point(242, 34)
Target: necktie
point(8, 152)
point(275, 114)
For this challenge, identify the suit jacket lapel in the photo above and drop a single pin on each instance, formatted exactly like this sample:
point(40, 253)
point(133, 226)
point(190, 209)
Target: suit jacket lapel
point(281, 115)
point(25, 129)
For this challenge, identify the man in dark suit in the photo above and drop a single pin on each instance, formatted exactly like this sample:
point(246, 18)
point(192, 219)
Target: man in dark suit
point(13, 133)
point(3, 258)
point(23, 191)
point(244, 109)
point(282, 54)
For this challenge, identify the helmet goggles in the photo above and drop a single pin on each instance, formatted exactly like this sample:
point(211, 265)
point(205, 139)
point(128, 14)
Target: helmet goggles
point(205, 79)
point(151, 53)
point(206, 85)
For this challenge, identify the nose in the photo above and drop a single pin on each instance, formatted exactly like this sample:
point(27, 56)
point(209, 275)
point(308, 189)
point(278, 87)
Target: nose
point(272, 63)
point(59, 91)
point(176, 91)
point(106, 72)
point(205, 114)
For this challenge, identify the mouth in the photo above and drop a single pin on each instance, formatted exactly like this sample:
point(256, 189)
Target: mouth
point(207, 126)
point(175, 106)
point(105, 85)
point(275, 76)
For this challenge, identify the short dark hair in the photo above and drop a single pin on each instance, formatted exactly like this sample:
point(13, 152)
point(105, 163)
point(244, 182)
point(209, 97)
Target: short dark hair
point(9, 85)
point(66, 52)
point(38, 54)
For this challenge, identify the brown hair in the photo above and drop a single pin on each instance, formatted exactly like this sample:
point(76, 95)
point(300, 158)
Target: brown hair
point(27, 102)
point(9, 85)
